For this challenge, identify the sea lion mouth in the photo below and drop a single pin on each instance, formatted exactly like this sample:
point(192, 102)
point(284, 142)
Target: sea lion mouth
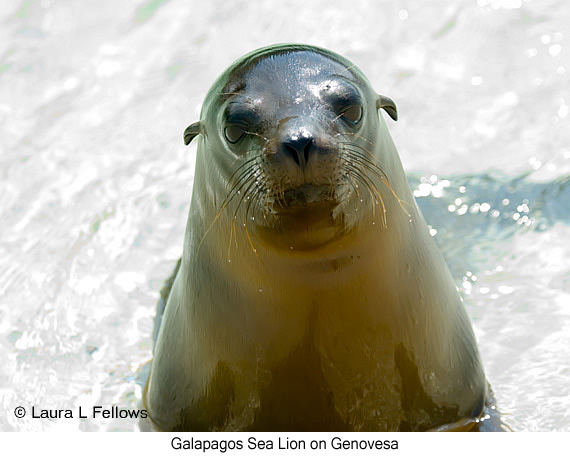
point(307, 198)
point(304, 227)
point(304, 218)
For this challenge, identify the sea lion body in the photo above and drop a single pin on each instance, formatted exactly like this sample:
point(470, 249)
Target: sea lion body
point(310, 295)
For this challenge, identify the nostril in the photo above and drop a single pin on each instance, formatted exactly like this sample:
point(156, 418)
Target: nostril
point(307, 150)
point(291, 151)
point(299, 149)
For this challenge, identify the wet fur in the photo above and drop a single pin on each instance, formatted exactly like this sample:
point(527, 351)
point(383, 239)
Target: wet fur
point(230, 363)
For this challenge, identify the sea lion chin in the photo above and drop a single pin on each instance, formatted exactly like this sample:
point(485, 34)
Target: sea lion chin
point(307, 217)
point(310, 295)
point(303, 227)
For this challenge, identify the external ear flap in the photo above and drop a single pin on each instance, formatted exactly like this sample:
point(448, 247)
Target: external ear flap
point(387, 105)
point(191, 132)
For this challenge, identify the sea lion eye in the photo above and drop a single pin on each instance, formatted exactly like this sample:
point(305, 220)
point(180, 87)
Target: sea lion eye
point(352, 114)
point(233, 133)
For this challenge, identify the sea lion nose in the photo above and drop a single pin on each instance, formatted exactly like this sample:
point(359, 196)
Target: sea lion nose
point(299, 146)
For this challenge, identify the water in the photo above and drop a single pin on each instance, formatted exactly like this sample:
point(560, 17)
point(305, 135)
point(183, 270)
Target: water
point(95, 181)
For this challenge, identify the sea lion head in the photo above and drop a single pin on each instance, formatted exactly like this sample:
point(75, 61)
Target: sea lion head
point(290, 131)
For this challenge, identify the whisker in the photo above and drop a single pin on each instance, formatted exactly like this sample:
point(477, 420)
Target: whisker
point(232, 231)
point(254, 197)
point(245, 163)
point(368, 153)
point(252, 183)
point(356, 151)
point(252, 133)
point(356, 136)
point(355, 187)
point(374, 168)
point(235, 190)
point(369, 183)
point(260, 187)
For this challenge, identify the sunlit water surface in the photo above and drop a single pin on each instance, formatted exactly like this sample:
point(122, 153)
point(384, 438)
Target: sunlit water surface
point(95, 183)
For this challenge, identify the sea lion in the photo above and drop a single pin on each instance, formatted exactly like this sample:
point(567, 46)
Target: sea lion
point(310, 295)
